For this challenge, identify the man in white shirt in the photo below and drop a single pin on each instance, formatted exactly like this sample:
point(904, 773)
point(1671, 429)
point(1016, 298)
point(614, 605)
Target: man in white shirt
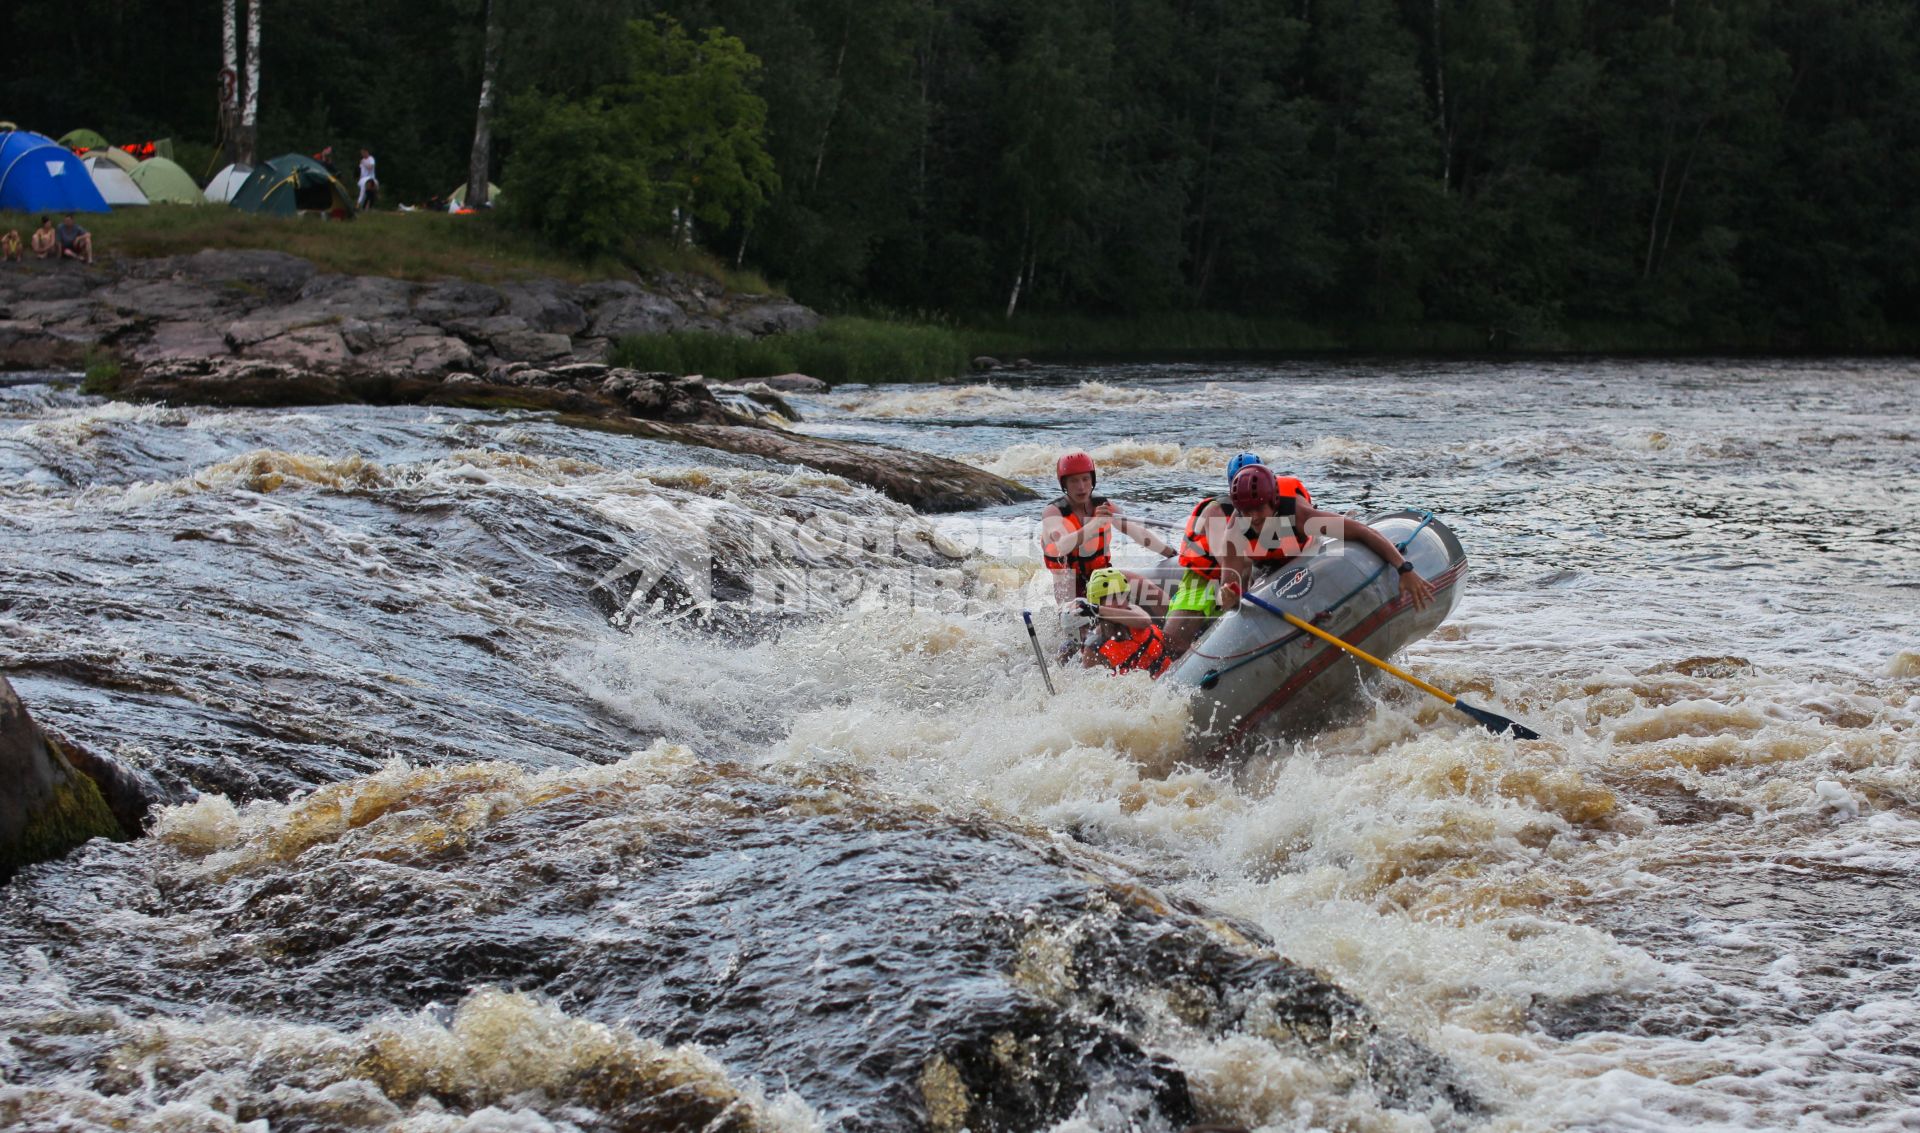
point(367, 178)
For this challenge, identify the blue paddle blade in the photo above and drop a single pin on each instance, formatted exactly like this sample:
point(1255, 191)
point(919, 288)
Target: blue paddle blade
point(1496, 723)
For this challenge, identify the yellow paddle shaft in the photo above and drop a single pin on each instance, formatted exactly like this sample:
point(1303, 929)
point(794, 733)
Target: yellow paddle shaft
point(1369, 658)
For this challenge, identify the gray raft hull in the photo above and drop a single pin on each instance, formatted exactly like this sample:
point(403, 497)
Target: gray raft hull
point(1254, 675)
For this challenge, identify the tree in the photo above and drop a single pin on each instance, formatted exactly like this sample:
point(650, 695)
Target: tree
point(679, 141)
point(481, 156)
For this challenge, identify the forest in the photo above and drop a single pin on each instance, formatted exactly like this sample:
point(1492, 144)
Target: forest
point(1742, 171)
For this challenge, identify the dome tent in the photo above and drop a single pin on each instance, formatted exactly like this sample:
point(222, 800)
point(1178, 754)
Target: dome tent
point(116, 155)
point(39, 175)
point(164, 182)
point(289, 184)
point(226, 183)
point(84, 139)
point(116, 187)
point(459, 196)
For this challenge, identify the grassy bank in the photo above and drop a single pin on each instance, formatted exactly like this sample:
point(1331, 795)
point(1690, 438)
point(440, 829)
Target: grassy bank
point(414, 245)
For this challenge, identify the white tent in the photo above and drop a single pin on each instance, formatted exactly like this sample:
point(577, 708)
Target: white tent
point(115, 186)
point(226, 183)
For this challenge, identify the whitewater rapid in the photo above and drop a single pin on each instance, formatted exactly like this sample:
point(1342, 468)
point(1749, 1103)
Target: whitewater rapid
point(431, 683)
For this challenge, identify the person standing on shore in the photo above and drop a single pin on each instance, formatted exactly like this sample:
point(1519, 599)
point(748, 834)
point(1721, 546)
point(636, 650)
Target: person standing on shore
point(369, 184)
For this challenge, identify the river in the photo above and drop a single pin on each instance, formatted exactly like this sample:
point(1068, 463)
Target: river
point(499, 809)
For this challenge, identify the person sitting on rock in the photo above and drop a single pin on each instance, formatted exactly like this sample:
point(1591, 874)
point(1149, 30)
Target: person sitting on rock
point(46, 244)
point(1265, 522)
point(1117, 633)
point(75, 242)
point(1076, 532)
point(10, 245)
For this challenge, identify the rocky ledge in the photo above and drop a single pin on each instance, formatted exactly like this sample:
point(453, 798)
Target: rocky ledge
point(658, 405)
point(265, 328)
point(277, 307)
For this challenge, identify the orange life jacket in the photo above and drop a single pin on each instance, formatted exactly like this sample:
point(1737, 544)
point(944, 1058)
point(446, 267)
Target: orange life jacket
point(1197, 556)
point(1142, 649)
point(1090, 555)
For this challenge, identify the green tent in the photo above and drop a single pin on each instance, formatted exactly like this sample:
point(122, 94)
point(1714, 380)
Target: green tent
point(84, 139)
point(459, 196)
point(117, 156)
point(166, 183)
point(289, 184)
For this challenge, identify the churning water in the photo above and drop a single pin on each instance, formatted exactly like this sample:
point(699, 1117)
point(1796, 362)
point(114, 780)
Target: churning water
point(539, 779)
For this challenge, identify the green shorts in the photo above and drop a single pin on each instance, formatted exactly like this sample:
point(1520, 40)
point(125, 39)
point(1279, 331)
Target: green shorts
point(1196, 595)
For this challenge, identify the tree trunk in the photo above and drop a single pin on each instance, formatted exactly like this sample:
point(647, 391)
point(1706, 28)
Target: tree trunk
point(820, 152)
point(250, 105)
point(1020, 265)
point(1440, 97)
point(482, 155)
point(230, 78)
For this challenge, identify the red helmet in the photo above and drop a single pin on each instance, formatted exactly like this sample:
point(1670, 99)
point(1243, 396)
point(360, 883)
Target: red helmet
point(1073, 464)
point(1254, 485)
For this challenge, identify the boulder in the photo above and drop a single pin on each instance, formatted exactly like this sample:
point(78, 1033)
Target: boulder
point(532, 345)
point(232, 381)
point(987, 362)
point(28, 346)
point(542, 306)
point(456, 299)
point(792, 383)
point(47, 807)
point(664, 397)
point(772, 316)
point(634, 311)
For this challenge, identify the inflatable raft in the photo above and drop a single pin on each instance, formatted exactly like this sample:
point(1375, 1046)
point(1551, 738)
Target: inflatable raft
point(1255, 675)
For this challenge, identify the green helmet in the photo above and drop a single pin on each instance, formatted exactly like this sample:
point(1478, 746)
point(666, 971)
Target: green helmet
point(1104, 583)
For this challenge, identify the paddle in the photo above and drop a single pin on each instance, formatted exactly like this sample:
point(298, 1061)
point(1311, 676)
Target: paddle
point(1038, 654)
point(1491, 721)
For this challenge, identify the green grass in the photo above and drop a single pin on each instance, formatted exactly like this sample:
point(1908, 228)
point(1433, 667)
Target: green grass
point(415, 245)
point(839, 350)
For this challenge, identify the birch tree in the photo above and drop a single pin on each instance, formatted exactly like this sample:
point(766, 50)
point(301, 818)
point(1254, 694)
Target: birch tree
point(482, 155)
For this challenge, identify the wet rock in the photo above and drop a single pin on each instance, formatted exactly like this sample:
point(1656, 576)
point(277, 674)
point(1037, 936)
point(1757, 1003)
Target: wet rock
point(987, 362)
point(793, 383)
point(233, 381)
point(47, 807)
point(918, 479)
point(28, 346)
point(761, 399)
point(664, 397)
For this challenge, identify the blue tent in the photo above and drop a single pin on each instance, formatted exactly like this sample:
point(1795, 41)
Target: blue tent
point(38, 174)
